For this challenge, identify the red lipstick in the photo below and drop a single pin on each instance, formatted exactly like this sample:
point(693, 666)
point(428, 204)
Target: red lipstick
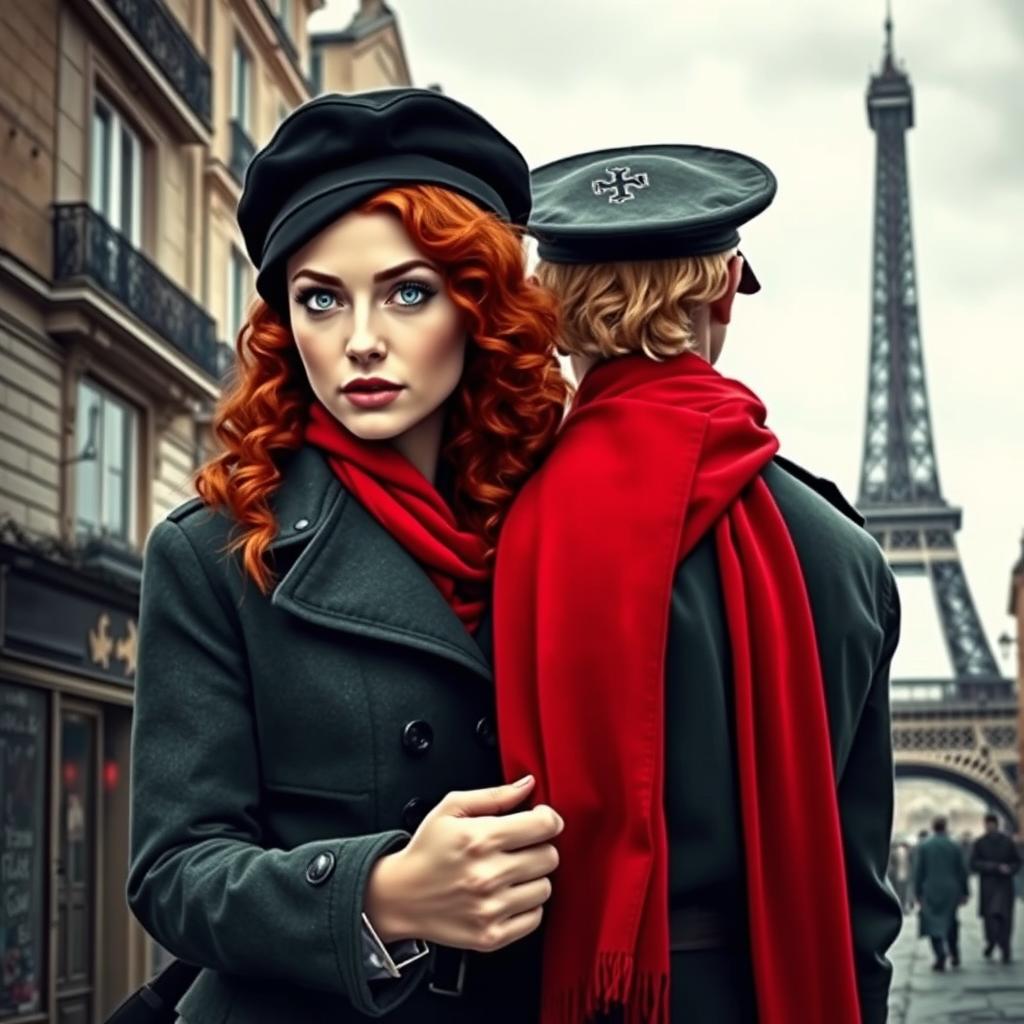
point(371, 392)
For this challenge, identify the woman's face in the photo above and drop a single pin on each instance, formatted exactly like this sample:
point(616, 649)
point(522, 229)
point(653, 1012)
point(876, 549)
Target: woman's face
point(382, 342)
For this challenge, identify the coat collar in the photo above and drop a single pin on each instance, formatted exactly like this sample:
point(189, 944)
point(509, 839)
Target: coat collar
point(352, 575)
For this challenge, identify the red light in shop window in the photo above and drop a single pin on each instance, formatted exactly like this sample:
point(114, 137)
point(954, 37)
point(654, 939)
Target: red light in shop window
point(70, 773)
point(111, 775)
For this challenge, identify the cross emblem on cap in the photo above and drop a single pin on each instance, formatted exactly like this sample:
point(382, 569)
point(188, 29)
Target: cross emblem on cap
point(620, 185)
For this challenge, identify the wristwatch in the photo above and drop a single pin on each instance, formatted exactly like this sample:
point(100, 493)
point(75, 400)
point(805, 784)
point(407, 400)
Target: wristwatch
point(383, 962)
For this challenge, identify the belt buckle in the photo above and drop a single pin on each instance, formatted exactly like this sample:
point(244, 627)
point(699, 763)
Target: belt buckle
point(443, 990)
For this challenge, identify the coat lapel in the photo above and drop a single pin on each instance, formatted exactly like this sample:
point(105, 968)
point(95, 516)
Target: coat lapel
point(353, 576)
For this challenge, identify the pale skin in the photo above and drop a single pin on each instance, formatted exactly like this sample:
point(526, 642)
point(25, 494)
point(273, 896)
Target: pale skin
point(364, 303)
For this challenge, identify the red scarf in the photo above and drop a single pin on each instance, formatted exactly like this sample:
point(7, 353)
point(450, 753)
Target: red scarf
point(651, 458)
point(409, 507)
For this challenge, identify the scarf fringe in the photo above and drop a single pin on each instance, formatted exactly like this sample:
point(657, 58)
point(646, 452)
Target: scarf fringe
point(615, 983)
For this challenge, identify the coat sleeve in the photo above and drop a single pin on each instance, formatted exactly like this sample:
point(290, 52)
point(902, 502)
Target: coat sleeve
point(866, 813)
point(201, 880)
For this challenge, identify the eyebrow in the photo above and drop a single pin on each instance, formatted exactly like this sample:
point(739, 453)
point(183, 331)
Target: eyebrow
point(384, 275)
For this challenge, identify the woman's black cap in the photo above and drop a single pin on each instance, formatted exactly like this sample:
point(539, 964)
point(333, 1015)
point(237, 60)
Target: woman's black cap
point(338, 150)
point(647, 203)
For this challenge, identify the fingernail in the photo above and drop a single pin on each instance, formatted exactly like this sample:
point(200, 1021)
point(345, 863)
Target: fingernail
point(524, 781)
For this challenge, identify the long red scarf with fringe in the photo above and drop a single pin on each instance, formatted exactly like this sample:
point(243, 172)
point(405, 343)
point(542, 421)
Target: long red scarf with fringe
point(410, 508)
point(652, 457)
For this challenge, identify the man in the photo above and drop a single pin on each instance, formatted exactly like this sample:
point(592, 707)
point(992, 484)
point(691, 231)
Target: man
point(692, 637)
point(995, 858)
point(940, 885)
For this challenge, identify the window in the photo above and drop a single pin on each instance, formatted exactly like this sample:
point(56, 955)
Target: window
point(284, 14)
point(241, 82)
point(238, 287)
point(316, 70)
point(116, 172)
point(106, 435)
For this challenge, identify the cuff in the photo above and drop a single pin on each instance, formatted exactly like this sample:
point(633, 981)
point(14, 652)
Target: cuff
point(381, 962)
point(347, 898)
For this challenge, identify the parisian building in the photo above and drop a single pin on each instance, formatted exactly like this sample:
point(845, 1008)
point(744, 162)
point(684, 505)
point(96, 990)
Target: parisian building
point(125, 130)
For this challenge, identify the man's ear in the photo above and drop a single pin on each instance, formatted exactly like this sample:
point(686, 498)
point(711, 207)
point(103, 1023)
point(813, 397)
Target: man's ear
point(721, 308)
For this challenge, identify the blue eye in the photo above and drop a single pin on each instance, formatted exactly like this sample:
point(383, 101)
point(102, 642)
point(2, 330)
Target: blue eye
point(317, 300)
point(412, 293)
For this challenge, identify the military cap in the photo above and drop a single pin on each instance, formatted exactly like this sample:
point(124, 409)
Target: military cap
point(337, 150)
point(647, 203)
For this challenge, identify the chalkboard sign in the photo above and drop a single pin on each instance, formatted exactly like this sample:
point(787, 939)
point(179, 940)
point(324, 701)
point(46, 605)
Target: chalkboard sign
point(22, 838)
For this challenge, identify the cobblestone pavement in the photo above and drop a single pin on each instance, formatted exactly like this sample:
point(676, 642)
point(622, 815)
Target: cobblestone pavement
point(976, 992)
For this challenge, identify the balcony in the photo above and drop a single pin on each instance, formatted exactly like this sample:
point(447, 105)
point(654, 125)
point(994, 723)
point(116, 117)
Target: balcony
point(242, 150)
point(86, 246)
point(168, 46)
point(283, 36)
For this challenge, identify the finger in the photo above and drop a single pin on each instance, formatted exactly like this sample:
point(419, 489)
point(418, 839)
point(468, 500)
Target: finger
point(521, 898)
point(473, 803)
point(527, 865)
point(518, 927)
point(525, 828)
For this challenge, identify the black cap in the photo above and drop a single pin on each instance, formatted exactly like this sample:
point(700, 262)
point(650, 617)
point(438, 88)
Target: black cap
point(336, 151)
point(647, 203)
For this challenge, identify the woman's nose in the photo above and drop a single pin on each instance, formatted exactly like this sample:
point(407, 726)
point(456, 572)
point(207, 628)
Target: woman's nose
point(365, 344)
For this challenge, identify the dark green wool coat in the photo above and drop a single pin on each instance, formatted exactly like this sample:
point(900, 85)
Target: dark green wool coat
point(856, 612)
point(940, 884)
point(269, 730)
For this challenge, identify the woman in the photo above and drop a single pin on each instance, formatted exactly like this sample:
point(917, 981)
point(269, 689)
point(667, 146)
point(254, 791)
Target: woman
point(313, 682)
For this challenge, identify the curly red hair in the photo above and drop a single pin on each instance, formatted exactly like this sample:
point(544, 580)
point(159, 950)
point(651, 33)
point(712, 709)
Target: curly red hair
point(503, 416)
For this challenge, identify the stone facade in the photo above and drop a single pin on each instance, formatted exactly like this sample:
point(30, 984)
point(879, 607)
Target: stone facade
point(121, 158)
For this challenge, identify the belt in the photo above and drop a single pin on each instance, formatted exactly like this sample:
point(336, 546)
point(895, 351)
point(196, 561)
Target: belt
point(447, 971)
point(693, 928)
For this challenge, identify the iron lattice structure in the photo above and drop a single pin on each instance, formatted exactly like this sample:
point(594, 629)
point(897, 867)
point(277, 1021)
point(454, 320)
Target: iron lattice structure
point(900, 494)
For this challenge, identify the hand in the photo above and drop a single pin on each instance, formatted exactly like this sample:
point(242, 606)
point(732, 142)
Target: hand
point(473, 876)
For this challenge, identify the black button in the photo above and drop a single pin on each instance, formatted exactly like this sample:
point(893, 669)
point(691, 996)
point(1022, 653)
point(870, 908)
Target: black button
point(485, 732)
point(319, 868)
point(414, 812)
point(417, 737)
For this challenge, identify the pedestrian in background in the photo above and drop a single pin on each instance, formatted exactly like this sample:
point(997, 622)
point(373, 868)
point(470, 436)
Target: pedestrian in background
point(921, 837)
point(996, 860)
point(940, 886)
point(900, 875)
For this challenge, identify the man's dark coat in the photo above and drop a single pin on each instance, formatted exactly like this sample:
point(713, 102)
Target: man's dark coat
point(996, 893)
point(269, 730)
point(856, 612)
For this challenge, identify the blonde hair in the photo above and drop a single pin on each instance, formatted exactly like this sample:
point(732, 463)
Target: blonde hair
point(616, 309)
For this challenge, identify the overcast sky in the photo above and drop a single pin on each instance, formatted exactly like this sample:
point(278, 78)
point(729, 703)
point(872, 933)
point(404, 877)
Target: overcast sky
point(784, 80)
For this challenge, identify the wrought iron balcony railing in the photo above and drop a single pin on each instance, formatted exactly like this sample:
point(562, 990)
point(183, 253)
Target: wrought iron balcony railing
point(243, 149)
point(283, 35)
point(86, 246)
point(168, 45)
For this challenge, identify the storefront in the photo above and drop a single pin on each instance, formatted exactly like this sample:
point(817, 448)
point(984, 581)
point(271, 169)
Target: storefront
point(69, 949)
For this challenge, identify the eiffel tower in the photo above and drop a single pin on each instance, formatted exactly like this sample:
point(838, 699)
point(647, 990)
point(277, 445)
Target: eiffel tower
point(900, 495)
